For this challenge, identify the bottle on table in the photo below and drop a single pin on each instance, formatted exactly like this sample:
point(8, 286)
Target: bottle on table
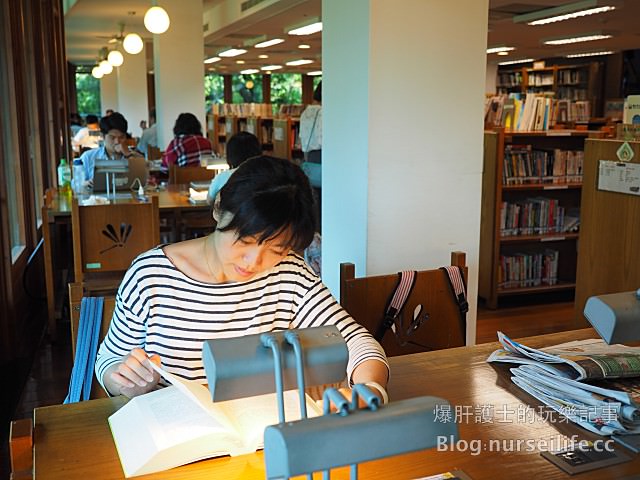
point(64, 177)
point(78, 177)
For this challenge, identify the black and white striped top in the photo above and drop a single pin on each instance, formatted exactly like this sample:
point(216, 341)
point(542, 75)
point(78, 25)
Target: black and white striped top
point(161, 310)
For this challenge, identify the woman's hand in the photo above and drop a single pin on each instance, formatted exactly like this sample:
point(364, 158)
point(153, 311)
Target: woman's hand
point(134, 375)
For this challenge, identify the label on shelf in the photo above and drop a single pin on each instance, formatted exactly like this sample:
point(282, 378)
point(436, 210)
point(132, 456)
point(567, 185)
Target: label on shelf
point(619, 177)
point(553, 239)
point(278, 133)
point(558, 133)
point(555, 187)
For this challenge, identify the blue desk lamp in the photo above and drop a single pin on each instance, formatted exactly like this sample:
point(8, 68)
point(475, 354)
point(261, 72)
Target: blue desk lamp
point(247, 366)
point(616, 316)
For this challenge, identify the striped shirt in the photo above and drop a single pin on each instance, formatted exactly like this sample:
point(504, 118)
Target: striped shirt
point(161, 310)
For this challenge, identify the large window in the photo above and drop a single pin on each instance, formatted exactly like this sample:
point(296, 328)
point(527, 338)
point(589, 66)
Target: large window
point(88, 94)
point(213, 90)
point(286, 88)
point(247, 88)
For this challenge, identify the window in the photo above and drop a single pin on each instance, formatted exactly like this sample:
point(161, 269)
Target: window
point(88, 94)
point(247, 88)
point(286, 88)
point(213, 90)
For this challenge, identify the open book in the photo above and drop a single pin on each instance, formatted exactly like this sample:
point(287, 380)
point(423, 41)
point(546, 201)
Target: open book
point(587, 381)
point(180, 424)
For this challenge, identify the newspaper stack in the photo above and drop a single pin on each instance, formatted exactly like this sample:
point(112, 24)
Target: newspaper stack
point(582, 380)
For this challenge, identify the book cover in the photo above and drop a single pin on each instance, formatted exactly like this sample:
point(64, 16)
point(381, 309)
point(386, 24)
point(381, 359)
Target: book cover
point(180, 424)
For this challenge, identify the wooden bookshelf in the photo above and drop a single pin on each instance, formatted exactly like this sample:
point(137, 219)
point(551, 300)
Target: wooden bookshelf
point(286, 138)
point(609, 256)
point(537, 239)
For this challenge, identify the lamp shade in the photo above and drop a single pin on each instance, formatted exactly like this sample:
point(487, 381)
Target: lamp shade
point(156, 20)
point(132, 43)
point(115, 58)
point(96, 72)
point(106, 67)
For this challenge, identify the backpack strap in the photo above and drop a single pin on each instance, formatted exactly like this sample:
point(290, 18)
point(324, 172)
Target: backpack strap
point(406, 281)
point(459, 291)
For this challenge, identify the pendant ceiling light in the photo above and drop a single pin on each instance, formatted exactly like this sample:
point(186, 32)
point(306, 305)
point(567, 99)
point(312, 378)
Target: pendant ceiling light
point(96, 72)
point(115, 58)
point(106, 67)
point(156, 20)
point(132, 43)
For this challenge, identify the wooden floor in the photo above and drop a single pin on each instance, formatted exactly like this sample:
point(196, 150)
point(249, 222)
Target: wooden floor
point(48, 380)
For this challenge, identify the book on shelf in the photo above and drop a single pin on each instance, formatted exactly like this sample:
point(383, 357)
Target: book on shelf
point(528, 269)
point(524, 165)
point(533, 216)
point(591, 383)
point(631, 113)
point(180, 424)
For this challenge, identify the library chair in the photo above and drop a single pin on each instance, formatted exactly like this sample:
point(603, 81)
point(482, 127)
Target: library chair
point(76, 293)
point(186, 175)
point(106, 239)
point(153, 153)
point(431, 318)
point(21, 449)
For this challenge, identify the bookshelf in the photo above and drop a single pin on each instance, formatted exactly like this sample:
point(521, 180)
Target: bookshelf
point(219, 129)
point(286, 143)
point(609, 257)
point(530, 212)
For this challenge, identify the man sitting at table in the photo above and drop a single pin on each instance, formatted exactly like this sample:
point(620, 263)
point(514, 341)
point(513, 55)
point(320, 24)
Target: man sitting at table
point(114, 128)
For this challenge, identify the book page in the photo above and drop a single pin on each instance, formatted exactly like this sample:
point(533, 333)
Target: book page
point(252, 415)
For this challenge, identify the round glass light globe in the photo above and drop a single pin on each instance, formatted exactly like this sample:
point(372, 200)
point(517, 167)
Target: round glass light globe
point(115, 58)
point(106, 67)
point(132, 43)
point(96, 72)
point(156, 20)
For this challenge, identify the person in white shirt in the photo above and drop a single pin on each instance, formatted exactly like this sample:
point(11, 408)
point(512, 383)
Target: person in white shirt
point(88, 137)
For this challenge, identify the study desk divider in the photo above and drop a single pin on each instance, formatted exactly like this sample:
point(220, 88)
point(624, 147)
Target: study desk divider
point(238, 367)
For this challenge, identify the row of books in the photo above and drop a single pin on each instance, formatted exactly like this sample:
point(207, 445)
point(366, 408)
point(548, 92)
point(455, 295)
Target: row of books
point(573, 93)
point(510, 79)
point(572, 77)
point(532, 269)
point(537, 216)
point(523, 165)
point(533, 111)
point(243, 109)
point(540, 79)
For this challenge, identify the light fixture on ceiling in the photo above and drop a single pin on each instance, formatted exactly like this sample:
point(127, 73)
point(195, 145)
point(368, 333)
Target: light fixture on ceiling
point(586, 37)
point(269, 43)
point(513, 62)
point(96, 72)
point(500, 48)
point(315, 73)
point(240, 62)
point(271, 67)
point(589, 54)
point(133, 44)
point(232, 52)
point(295, 63)
point(156, 20)
point(249, 71)
point(308, 27)
point(115, 58)
point(503, 53)
point(263, 56)
point(105, 67)
point(304, 46)
point(212, 59)
point(566, 12)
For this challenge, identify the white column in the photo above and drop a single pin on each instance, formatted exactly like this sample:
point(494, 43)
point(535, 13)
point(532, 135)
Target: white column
point(178, 69)
point(132, 90)
point(109, 93)
point(403, 91)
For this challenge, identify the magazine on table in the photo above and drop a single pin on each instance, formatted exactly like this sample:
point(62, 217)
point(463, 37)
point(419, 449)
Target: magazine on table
point(587, 381)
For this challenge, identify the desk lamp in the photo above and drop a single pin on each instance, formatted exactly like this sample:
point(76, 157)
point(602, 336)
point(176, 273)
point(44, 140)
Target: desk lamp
point(616, 316)
point(239, 367)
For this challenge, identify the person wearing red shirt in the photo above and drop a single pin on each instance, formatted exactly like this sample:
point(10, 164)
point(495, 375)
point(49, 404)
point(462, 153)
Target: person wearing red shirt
point(188, 144)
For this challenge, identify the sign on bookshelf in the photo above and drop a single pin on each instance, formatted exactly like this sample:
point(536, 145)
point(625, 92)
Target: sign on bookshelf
point(619, 177)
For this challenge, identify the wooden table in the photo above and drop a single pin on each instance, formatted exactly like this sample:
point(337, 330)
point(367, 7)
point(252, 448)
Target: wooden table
point(172, 202)
point(74, 441)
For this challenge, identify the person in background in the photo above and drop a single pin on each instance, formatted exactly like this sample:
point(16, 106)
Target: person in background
point(88, 137)
point(149, 135)
point(114, 128)
point(188, 143)
point(240, 147)
point(108, 112)
point(75, 123)
point(244, 278)
point(311, 145)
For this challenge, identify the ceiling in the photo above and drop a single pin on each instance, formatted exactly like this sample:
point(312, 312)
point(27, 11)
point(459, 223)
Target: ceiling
point(89, 24)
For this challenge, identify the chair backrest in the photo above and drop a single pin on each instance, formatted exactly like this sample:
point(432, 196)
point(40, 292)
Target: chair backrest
point(153, 153)
point(106, 238)
point(76, 292)
point(186, 175)
point(366, 300)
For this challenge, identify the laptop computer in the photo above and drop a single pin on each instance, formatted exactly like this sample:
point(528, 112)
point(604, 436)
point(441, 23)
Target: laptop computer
point(122, 173)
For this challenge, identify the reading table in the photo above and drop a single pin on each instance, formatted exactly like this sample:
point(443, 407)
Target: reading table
point(74, 441)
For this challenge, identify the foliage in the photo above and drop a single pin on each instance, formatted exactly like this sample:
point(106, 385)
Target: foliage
point(247, 88)
point(286, 88)
point(88, 94)
point(213, 90)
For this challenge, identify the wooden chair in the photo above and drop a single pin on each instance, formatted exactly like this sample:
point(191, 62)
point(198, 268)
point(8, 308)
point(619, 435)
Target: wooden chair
point(106, 239)
point(186, 175)
point(76, 292)
point(21, 449)
point(153, 153)
point(366, 300)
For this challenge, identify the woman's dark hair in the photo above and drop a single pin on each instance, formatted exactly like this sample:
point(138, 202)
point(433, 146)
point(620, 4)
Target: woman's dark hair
point(267, 196)
point(91, 119)
point(240, 147)
point(317, 93)
point(187, 124)
point(115, 121)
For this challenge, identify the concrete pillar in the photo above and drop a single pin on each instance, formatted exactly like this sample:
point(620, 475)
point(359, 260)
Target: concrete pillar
point(403, 91)
point(132, 90)
point(178, 56)
point(109, 93)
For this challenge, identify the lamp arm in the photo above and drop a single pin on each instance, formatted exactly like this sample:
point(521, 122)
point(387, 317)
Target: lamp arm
point(269, 341)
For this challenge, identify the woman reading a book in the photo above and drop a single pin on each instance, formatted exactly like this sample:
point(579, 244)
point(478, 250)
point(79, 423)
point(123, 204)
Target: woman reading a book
point(244, 278)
